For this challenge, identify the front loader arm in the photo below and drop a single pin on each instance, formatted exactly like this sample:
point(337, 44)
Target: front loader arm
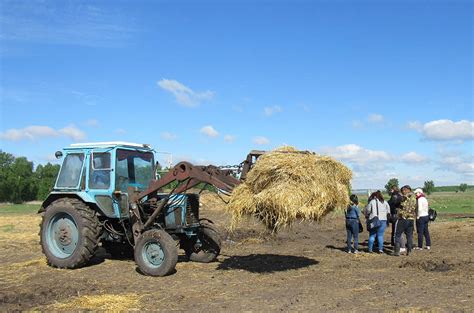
point(187, 176)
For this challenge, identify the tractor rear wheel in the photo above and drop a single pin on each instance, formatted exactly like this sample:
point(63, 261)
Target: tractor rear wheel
point(206, 247)
point(69, 233)
point(156, 253)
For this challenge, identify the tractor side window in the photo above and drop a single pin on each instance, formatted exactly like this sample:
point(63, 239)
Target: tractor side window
point(99, 174)
point(143, 172)
point(133, 169)
point(121, 172)
point(71, 171)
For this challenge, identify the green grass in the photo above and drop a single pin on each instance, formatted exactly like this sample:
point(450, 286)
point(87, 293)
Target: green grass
point(18, 208)
point(452, 202)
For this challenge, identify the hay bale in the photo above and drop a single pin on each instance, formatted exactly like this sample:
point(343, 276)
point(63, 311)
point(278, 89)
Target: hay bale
point(286, 185)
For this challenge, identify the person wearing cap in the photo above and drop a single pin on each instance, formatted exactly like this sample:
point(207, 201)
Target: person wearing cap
point(352, 224)
point(405, 221)
point(422, 219)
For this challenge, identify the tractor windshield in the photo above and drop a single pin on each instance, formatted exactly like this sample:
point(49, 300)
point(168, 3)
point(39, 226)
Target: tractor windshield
point(134, 168)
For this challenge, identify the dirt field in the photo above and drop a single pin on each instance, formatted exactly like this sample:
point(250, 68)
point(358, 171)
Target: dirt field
point(303, 269)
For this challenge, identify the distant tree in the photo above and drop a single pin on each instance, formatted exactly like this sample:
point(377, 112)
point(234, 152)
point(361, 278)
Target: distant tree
point(18, 181)
point(463, 187)
point(23, 180)
point(429, 187)
point(45, 177)
point(6, 186)
point(391, 183)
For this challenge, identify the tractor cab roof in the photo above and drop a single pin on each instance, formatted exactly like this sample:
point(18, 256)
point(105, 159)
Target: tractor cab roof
point(109, 144)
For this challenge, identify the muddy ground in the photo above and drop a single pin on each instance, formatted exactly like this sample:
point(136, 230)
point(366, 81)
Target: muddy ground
point(302, 269)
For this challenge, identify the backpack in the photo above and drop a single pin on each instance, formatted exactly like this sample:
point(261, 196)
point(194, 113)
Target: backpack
point(432, 214)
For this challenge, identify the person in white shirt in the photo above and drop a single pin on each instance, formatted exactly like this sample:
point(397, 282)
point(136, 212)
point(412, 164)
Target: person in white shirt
point(422, 219)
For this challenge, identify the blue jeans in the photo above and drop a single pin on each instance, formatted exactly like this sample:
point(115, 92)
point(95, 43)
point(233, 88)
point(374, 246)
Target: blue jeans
point(352, 227)
point(379, 233)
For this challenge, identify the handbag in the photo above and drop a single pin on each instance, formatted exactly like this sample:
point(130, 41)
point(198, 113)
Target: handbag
point(374, 222)
point(361, 228)
point(432, 214)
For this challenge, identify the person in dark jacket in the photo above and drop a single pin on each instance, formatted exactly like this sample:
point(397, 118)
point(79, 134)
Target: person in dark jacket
point(352, 224)
point(395, 204)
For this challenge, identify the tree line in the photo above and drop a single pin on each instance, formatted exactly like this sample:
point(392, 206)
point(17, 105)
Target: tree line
point(429, 186)
point(20, 181)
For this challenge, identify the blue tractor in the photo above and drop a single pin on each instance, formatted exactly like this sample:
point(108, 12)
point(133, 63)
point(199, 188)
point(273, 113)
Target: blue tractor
point(107, 194)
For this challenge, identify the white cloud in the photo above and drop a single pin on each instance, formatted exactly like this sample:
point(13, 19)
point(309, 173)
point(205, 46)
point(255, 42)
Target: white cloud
point(261, 141)
point(120, 131)
point(168, 136)
point(71, 24)
point(357, 124)
point(269, 111)
point(35, 132)
point(238, 108)
point(356, 154)
point(209, 131)
point(415, 125)
point(375, 118)
point(92, 122)
point(183, 94)
point(413, 158)
point(457, 163)
point(229, 138)
point(31, 133)
point(444, 130)
point(73, 132)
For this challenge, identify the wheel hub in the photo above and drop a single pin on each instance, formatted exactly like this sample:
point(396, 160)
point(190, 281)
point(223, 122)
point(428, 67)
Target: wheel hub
point(154, 254)
point(64, 234)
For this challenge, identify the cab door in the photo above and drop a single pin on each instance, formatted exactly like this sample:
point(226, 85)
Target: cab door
point(101, 182)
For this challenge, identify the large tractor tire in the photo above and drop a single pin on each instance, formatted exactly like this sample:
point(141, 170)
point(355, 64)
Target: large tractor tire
point(69, 233)
point(207, 246)
point(156, 253)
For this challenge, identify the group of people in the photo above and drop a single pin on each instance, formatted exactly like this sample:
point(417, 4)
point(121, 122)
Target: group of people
point(402, 210)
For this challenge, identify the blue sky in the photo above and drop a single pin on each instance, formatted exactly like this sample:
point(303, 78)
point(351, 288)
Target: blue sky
point(384, 86)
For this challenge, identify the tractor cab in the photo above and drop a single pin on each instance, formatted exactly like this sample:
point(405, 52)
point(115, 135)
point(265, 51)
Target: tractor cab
point(101, 173)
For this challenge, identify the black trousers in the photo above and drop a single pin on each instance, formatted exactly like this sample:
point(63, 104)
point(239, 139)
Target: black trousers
point(422, 230)
point(404, 226)
point(392, 235)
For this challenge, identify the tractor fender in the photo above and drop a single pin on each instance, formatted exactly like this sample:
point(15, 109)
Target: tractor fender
point(75, 195)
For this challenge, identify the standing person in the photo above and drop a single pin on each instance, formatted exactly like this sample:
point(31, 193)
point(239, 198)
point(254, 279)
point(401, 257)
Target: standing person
point(377, 206)
point(405, 221)
point(422, 219)
point(352, 224)
point(394, 203)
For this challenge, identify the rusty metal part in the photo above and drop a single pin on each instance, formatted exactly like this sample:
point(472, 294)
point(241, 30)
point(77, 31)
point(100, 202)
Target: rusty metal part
point(186, 176)
point(253, 156)
point(250, 161)
point(156, 212)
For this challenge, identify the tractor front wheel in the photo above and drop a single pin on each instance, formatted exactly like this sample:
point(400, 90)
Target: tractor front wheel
point(69, 234)
point(206, 247)
point(156, 253)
